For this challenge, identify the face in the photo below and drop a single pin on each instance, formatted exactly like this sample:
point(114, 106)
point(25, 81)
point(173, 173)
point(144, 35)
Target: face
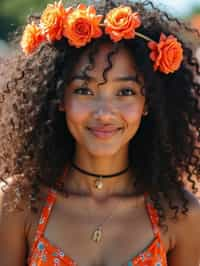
point(104, 118)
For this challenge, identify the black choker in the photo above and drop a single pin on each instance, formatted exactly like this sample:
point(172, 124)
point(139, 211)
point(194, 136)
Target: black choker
point(98, 182)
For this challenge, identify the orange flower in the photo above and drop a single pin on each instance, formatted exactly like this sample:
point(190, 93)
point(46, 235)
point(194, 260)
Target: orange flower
point(81, 25)
point(121, 23)
point(52, 20)
point(167, 54)
point(31, 39)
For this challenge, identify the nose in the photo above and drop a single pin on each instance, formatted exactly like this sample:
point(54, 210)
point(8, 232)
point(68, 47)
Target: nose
point(104, 110)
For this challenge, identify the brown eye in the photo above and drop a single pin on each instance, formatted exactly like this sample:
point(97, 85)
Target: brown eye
point(126, 92)
point(83, 91)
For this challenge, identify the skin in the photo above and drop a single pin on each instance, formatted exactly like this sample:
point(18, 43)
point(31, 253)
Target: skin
point(119, 104)
point(74, 218)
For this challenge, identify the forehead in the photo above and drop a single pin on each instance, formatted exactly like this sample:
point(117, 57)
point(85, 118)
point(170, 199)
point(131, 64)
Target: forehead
point(122, 62)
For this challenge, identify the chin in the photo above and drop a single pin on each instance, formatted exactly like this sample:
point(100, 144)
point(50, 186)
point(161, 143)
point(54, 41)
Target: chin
point(103, 150)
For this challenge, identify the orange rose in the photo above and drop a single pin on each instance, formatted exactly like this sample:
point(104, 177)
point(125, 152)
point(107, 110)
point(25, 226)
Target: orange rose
point(81, 25)
point(52, 21)
point(121, 23)
point(31, 39)
point(167, 54)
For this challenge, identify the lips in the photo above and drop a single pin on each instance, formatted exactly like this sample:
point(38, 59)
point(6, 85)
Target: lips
point(104, 131)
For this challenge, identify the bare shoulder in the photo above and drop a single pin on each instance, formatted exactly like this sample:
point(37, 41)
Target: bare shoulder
point(191, 220)
point(13, 210)
point(189, 211)
point(192, 208)
point(184, 232)
point(186, 225)
point(12, 228)
point(193, 204)
point(8, 191)
point(20, 215)
point(16, 224)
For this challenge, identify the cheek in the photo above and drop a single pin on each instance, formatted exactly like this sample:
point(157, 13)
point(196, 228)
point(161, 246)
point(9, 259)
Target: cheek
point(132, 116)
point(132, 113)
point(76, 112)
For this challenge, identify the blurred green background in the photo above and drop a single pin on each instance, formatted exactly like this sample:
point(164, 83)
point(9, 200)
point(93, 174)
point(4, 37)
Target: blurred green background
point(13, 13)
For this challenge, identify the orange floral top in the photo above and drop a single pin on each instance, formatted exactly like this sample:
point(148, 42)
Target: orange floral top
point(43, 253)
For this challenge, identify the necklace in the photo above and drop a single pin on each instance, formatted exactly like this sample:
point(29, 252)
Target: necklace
point(99, 177)
point(97, 234)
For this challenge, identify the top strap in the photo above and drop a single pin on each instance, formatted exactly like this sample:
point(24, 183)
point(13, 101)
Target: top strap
point(153, 215)
point(46, 211)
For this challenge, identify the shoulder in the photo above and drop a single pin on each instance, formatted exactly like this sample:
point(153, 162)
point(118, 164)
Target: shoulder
point(191, 221)
point(192, 208)
point(184, 234)
point(12, 208)
point(18, 209)
point(15, 224)
point(12, 228)
point(186, 227)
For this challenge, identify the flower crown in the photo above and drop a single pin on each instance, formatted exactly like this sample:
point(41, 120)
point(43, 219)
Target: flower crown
point(81, 24)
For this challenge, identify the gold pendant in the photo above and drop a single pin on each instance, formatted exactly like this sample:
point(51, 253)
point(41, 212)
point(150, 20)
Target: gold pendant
point(99, 183)
point(97, 235)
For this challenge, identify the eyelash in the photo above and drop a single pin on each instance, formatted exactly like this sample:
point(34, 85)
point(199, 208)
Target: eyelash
point(86, 90)
point(77, 91)
point(128, 90)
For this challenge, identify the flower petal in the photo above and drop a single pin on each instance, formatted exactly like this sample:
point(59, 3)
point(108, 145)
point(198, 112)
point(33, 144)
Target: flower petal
point(81, 6)
point(167, 55)
point(121, 21)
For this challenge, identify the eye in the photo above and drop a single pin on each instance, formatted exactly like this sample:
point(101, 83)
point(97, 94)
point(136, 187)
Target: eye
point(83, 91)
point(126, 92)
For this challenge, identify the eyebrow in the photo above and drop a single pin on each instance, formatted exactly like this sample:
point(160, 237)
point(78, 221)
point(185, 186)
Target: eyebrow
point(122, 78)
point(127, 78)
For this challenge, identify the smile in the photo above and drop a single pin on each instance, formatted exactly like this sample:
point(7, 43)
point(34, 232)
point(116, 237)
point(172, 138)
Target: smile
point(104, 133)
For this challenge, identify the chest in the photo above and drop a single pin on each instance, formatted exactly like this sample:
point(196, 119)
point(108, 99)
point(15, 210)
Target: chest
point(125, 235)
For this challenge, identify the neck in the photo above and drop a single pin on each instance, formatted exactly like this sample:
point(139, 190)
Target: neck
point(83, 184)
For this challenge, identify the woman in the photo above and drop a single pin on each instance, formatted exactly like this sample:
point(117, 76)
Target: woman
point(100, 128)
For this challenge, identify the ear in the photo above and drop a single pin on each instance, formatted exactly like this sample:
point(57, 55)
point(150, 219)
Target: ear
point(145, 111)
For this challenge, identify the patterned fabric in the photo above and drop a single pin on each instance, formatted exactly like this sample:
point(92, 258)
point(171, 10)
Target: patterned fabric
point(43, 253)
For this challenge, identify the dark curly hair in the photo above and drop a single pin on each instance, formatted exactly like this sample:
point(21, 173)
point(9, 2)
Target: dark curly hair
point(36, 144)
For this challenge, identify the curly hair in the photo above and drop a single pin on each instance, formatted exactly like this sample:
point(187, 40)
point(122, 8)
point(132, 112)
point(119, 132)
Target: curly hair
point(36, 144)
